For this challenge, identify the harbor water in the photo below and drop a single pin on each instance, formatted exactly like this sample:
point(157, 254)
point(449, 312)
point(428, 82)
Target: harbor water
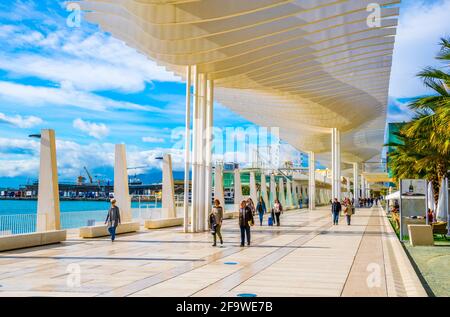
point(16, 207)
point(19, 216)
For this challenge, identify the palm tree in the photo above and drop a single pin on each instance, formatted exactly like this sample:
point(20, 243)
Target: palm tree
point(425, 148)
point(433, 112)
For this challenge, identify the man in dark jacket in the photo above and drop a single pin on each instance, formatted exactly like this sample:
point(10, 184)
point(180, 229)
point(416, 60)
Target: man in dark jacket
point(113, 219)
point(335, 210)
point(245, 221)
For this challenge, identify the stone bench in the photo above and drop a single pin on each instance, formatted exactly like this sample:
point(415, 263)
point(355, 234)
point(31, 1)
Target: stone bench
point(163, 223)
point(27, 240)
point(102, 230)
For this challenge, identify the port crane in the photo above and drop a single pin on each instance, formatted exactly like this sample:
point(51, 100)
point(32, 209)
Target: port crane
point(89, 175)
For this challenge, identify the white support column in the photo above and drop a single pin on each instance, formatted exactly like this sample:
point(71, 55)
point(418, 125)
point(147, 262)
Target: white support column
point(253, 192)
point(295, 193)
point(356, 184)
point(273, 191)
point(336, 163)
point(187, 150)
point(218, 185)
point(202, 141)
point(209, 148)
point(348, 187)
point(281, 195)
point(168, 189)
point(289, 199)
point(48, 212)
point(264, 189)
point(312, 181)
point(363, 187)
point(121, 191)
point(237, 189)
point(195, 151)
point(300, 193)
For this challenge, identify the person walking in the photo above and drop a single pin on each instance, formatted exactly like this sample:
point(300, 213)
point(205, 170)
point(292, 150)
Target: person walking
point(113, 219)
point(251, 205)
point(348, 211)
point(216, 218)
point(335, 210)
point(245, 222)
point(261, 209)
point(277, 210)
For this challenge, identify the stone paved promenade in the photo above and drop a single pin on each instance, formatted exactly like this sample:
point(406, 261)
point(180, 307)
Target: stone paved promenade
point(305, 256)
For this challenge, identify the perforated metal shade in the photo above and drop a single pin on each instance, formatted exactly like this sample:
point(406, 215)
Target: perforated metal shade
point(305, 66)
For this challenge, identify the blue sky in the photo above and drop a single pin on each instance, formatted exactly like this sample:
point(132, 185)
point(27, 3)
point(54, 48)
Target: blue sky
point(95, 91)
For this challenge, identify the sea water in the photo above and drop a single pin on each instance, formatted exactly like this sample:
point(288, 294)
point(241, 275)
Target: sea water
point(19, 216)
point(17, 207)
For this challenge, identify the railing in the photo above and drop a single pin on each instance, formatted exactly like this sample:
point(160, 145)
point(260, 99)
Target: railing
point(17, 224)
point(76, 219)
point(26, 223)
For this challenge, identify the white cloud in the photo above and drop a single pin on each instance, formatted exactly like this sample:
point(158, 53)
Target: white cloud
point(150, 139)
point(21, 122)
point(18, 157)
point(63, 96)
point(96, 130)
point(421, 25)
point(90, 62)
point(72, 157)
point(14, 168)
point(398, 111)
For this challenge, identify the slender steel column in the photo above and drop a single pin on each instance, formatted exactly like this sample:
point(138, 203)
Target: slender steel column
point(195, 151)
point(209, 146)
point(356, 184)
point(202, 145)
point(363, 187)
point(336, 163)
point(187, 150)
point(312, 181)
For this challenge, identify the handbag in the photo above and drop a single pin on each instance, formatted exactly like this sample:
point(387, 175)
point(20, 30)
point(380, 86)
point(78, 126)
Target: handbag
point(213, 230)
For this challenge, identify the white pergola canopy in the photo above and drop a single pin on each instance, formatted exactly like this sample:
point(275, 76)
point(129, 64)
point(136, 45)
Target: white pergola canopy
point(305, 66)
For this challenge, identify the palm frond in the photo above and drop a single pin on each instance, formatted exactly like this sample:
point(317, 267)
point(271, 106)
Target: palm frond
point(444, 54)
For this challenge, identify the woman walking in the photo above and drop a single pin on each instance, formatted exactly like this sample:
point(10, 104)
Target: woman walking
point(113, 219)
point(277, 210)
point(348, 210)
point(245, 222)
point(261, 209)
point(251, 205)
point(215, 223)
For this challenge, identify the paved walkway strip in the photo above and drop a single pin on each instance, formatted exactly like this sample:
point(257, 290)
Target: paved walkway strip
point(306, 256)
